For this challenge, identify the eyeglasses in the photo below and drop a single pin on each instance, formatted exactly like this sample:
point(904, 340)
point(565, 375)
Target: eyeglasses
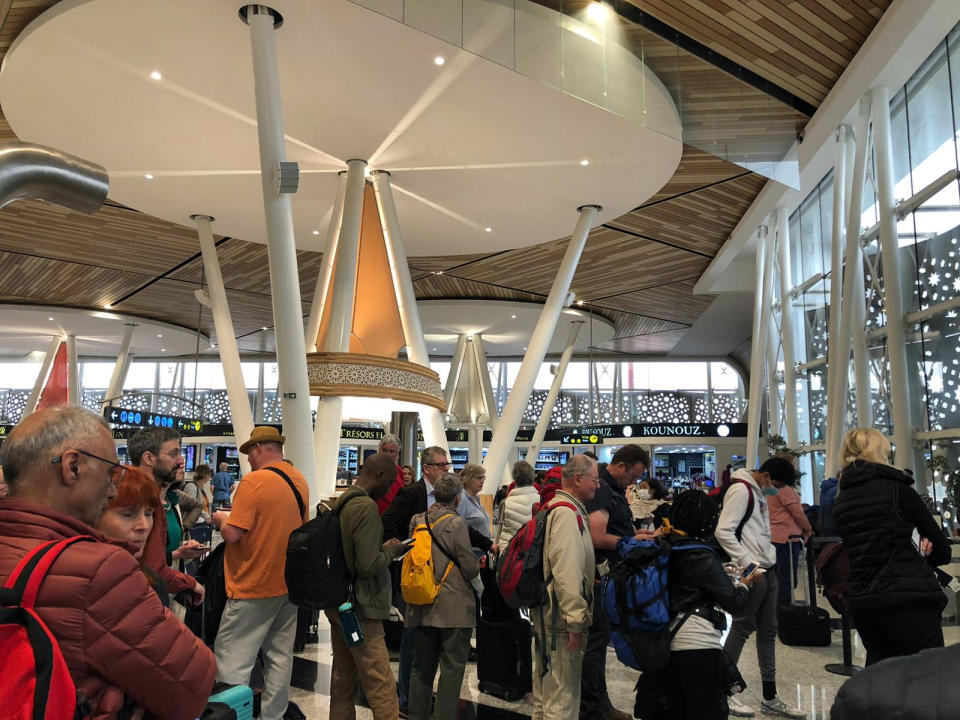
point(440, 465)
point(594, 478)
point(116, 474)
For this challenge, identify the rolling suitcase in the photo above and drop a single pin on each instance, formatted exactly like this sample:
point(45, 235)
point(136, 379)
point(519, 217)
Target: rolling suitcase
point(799, 624)
point(229, 702)
point(504, 660)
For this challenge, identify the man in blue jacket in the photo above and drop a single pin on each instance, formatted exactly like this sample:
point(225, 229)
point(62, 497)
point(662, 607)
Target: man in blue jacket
point(223, 483)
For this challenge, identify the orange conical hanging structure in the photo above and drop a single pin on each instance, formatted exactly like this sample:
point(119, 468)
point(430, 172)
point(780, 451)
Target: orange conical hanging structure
point(376, 327)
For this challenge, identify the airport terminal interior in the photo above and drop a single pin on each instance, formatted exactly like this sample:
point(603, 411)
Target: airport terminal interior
point(517, 230)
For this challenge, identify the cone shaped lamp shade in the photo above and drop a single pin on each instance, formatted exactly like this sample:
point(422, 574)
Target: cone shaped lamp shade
point(371, 380)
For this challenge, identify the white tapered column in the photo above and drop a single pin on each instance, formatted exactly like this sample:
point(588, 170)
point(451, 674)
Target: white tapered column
point(533, 452)
point(786, 330)
point(326, 432)
point(892, 291)
point(431, 419)
point(499, 451)
point(836, 406)
point(34, 397)
point(115, 388)
point(757, 350)
point(489, 401)
point(281, 245)
point(326, 267)
point(241, 416)
point(774, 402)
point(852, 308)
point(73, 371)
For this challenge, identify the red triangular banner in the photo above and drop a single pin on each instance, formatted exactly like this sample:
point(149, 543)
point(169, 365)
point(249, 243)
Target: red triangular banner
point(55, 391)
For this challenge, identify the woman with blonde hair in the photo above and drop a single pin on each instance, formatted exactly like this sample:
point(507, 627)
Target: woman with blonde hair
point(895, 597)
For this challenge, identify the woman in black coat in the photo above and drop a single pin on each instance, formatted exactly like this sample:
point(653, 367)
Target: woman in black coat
point(895, 597)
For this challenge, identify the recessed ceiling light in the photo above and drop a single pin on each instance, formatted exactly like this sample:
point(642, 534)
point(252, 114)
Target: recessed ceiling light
point(264, 327)
point(213, 345)
point(163, 349)
point(433, 350)
point(579, 302)
point(439, 272)
point(439, 60)
point(108, 306)
point(148, 176)
point(514, 317)
point(584, 162)
point(155, 75)
point(159, 335)
point(50, 319)
point(316, 232)
point(597, 11)
point(488, 229)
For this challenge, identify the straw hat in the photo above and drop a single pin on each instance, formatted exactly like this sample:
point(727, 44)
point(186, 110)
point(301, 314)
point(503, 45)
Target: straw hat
point(262, 435)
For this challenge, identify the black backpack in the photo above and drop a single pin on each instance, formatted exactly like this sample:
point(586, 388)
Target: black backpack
point(316, 572)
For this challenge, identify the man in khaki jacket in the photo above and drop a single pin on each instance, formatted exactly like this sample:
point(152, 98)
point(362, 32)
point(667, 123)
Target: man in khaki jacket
point(368, 558)
point(568, 558)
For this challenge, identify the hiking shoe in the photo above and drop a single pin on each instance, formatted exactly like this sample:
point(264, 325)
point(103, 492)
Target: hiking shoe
point(778, 708)
point(739, 709)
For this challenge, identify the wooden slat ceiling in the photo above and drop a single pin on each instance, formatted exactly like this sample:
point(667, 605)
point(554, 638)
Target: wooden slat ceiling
point(638, 270)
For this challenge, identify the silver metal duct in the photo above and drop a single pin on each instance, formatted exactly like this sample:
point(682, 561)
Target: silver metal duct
point(36, 172)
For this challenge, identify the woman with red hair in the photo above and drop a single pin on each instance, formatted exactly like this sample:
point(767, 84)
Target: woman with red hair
point(129, 518)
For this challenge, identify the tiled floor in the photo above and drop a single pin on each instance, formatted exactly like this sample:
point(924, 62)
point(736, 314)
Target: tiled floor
point(801, 677)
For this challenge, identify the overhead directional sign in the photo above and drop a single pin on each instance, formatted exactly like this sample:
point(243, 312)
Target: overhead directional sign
point(581, 439)
point(128, 417)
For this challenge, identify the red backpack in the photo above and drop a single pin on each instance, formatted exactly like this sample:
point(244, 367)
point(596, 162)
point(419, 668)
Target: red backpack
point(35, 683)
point(551, 483)
point(520, 570)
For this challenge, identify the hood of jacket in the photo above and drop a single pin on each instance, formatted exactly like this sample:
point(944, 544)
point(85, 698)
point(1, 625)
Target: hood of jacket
point(746, 476)
point(859, 472)
point(828, 484)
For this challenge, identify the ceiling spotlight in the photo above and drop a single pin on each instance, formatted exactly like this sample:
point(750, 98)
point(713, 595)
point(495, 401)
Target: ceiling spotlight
point(488, 229)
point(316, 232)
point(579, 302)
point(155, 75)
point(50, 319)
point(108, 306)
point(439, 60)
point(584, 163)
point(212, 345)
point(264, 327)
point(597, 12)
point(148, 176)
point(433, 350)
point(439, 272)
point(163, 349)
point(513, 317)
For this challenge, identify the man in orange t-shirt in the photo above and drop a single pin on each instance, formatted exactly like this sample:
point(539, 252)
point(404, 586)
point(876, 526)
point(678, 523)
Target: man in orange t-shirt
point(270, 503)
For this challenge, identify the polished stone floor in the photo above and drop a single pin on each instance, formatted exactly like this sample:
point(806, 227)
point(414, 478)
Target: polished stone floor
point(801, 677)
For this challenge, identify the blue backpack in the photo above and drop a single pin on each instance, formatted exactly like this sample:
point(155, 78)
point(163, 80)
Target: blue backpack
point(637, 601)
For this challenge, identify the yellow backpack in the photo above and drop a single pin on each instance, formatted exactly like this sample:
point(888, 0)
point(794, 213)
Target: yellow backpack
point(417, 580)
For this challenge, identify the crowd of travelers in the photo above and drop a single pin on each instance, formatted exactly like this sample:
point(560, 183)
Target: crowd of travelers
point(121, 595)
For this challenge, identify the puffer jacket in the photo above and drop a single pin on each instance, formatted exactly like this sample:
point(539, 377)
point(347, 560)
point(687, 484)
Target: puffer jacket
point(876, 512)
point(698, 582)
point(918, 687)
point(516, 511)
point(120, 644)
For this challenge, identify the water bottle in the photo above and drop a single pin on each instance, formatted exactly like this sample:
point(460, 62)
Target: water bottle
point(350, 624)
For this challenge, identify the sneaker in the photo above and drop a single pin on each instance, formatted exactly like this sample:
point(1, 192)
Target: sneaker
point(739, 709)
point(778, 708)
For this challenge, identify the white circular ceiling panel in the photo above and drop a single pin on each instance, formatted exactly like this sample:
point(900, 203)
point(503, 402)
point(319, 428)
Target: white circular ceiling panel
point(470, 144)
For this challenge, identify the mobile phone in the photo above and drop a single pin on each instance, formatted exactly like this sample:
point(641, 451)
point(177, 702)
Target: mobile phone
point(749, 570)
point(408, 541)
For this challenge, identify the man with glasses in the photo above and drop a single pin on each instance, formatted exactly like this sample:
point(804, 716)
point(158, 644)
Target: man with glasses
point(569, 563)
point(156, 452)
point(396, 524)
point(610, 520)
point(119, 643)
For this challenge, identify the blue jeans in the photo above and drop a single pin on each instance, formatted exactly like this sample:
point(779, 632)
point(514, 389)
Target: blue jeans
point(787, 552)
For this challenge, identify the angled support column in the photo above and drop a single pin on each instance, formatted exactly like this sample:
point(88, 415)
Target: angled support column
point(240, 414)
point(757, 349)
point(431, 420)
point(533, 452)
point(326, 267)
point(774, 401)
point(277, 184)
point(503, 439)
point(892, 291)
point(836, 405)
point(787, 330)
point(326, 432)
point(120, 368)
point(73, 371)
point(456, 366)
point(852, 305)
point(34, 397)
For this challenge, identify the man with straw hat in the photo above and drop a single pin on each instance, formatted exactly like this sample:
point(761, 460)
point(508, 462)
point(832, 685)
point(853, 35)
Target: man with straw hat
point(270, 503)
